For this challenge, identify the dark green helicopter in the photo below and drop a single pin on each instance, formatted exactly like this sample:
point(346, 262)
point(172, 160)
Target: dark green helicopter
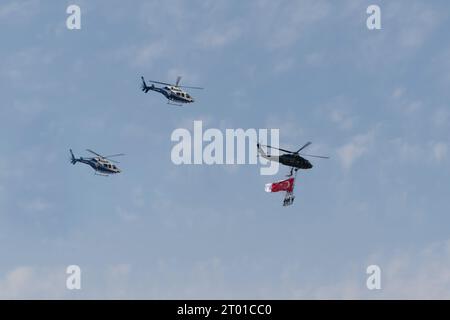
point(291, 159)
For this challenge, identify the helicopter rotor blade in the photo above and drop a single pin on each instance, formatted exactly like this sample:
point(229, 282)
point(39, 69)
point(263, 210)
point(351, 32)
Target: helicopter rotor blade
point(114, 155)
point(176, 84)
point(105, 157)
point(284, 150)
point(187, 87)
point(164, 83)
point(306, 144)
point(89, 150)
point(314, 156)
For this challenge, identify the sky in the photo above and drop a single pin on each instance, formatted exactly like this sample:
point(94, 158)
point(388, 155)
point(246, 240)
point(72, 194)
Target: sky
point(375, 101)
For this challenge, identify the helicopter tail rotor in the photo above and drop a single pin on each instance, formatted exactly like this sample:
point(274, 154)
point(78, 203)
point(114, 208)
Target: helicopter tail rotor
point(144, 86)
point(73, 160)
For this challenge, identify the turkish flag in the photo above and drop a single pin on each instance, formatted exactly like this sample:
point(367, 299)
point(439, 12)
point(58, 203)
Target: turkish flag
point(285, 185)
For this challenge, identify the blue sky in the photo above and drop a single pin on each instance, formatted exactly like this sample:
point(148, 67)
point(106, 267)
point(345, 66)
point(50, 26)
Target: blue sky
point(375, 101)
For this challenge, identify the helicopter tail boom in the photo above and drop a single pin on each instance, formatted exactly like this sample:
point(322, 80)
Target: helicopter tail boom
point(262, 154)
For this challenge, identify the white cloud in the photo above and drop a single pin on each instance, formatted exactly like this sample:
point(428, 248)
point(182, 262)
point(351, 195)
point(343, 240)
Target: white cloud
point(414, 274)
point(288, 128)
point(398, 92)
point(315, 59)
point(29, 109)
point(421, 274)
point(412, 152)
point(148, 54)
point(342, 118)
point(440, 150)
point(8, 171)
point(441, 118)
point(407, 26)
point(144, 55)
point(25, 282)
point(284, 23)
point(126, 214)
point(408, 151)
point(283, 65)
point(133, 131)
point(414, 22)
point(118, 272)
point(440, 65)
point(355, 149)
point(16, 281)
point(20, 65)
point(404, 103)
point(418, 22)
point(37, 205)
point(339, 110)
point(17, 11)
point(213, 38)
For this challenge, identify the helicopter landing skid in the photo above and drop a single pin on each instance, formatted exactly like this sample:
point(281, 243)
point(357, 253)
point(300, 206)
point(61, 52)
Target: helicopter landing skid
point(101, 174)
point(174, 104)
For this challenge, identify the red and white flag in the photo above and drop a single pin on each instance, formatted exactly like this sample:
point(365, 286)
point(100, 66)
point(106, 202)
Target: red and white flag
point(285, 185)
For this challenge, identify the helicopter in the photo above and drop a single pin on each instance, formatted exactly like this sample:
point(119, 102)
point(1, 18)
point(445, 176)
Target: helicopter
point(101, 164)
point(291, 158)
point(173, 92)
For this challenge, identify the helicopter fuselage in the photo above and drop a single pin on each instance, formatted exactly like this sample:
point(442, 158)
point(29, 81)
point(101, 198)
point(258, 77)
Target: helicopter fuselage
point(290, 160)
point(100, 165)
point(295, 161)
point(173, 93)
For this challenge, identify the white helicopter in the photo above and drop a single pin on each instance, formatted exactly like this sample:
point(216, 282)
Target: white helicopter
point(101, 164)
point(173, 92)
